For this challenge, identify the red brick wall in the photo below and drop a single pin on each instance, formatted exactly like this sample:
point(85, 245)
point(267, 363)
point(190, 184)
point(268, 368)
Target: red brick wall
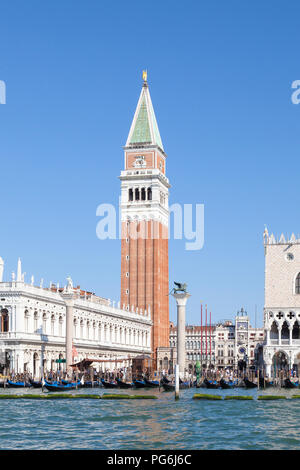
point(148, 280)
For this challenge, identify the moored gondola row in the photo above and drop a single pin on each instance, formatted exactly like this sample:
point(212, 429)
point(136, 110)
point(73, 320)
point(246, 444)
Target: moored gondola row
point(246, 383)
point(164, 383)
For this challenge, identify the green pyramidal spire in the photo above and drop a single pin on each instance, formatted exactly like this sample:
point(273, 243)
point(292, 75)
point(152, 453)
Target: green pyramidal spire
point(144, 128)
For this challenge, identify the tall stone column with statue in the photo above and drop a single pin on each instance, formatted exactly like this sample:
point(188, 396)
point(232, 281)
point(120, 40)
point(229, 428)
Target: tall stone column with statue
point(181, 295)
point(68, 296)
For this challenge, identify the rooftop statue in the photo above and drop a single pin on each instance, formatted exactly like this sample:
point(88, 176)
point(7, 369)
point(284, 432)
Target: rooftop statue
point(70, 284)
point(180, 288)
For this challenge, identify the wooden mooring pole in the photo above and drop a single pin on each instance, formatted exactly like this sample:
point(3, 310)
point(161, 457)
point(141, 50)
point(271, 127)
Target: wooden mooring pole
point(177, 382)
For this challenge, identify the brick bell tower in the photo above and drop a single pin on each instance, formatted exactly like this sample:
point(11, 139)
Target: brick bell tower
point(145, 216)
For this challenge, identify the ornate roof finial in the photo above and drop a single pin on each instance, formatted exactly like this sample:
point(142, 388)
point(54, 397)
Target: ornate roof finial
point(266, 235)
point(145, 76)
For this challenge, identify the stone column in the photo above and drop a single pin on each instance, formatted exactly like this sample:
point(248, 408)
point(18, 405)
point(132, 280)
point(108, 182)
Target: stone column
point(181, 300)
point(291, 335)
point(268, 336)
point(69, 301)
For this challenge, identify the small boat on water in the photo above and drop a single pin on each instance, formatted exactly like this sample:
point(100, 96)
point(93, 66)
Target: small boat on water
point(211, 383)
point(249, 384)
point(18, 384)
point(107, 384)
point(265, 383)
point(90, 384)
point(289, 384)
point(123, 385)
point(139, 384)
point(35, 383)
point(170, 387)
point(201, 384)
point(60, 387)
point(227, 384)
point(165, 379)
point(151, 383)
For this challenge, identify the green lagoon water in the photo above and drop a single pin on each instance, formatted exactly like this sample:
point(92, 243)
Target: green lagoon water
point(151, 424)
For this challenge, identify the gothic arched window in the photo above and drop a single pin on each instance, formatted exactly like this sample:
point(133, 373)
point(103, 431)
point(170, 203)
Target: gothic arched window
point(297, 284)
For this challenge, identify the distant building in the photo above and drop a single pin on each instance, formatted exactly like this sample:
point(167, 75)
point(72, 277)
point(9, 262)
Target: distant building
point(225, 344)
point(237, 343)
point(33, 328)
point(282, 303)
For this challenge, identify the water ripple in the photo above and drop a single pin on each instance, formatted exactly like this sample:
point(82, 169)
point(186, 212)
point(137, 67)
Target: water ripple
point(147, 424)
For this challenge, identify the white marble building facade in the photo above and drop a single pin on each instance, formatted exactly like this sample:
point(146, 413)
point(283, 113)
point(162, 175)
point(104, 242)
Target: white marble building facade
point(33, 328)
point(282, 303)
point(225, 344)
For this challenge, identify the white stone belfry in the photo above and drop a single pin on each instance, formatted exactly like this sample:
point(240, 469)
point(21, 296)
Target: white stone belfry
point(181, 299)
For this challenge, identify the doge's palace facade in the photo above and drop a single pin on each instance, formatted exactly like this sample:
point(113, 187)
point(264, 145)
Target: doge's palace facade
point(282, 303)
point(33, 328)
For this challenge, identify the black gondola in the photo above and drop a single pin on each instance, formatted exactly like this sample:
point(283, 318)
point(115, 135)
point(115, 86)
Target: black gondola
point(249, 384)
point(35, 383)
point(201, 384)
point(264, 383)
point(165, 380)
point(151, 383)
point(289, 384)
point(139, 383)
point(90, 384)
point(226, 385)
point(20, 384)
point(211, 384)
point(122, 384)
point(107, 384)
point(59, 387)
point(170, 387)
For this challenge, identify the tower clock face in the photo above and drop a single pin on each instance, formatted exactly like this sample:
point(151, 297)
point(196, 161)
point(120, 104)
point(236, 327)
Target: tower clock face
point(140, 161)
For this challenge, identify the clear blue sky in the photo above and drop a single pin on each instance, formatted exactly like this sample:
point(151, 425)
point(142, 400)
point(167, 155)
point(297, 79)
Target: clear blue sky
point(220, 76)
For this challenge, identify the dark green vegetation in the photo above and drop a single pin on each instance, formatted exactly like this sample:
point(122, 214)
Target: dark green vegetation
point(105, 396)
point(238, 397)
point(108, 396)
point(203, 396)
point(271, 397)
